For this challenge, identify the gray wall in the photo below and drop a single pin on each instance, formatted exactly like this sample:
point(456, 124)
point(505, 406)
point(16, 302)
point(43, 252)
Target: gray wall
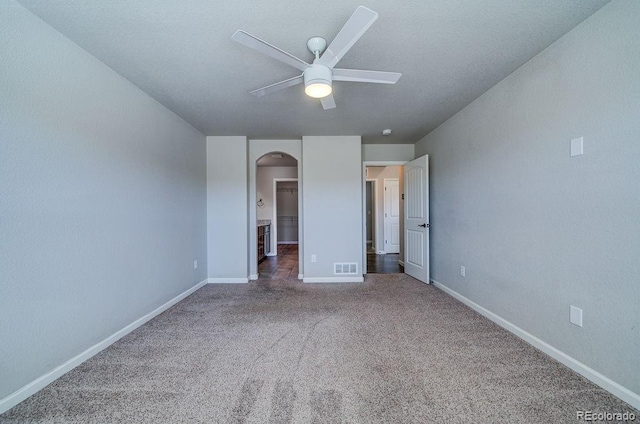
point(332, 203)
point(388, 152)
point(102, 201)
point(227, 212)
point(539, 230)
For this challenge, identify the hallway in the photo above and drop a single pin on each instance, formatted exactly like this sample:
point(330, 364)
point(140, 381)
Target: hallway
point(384, 264)
point(284, 266)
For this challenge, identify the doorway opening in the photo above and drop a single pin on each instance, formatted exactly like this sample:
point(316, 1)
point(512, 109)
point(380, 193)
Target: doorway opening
point(286, 210)
point(382, 218)
point(277, 207)
point(370, 215)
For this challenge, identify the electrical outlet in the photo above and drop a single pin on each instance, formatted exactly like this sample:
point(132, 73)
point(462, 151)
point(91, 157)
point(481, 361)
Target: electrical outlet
point(463, 271)
point(195, 264)
point(313, 258)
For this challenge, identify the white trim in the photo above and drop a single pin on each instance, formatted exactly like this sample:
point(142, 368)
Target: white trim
point(300, 276)
point(401, 263)
point(381, 252)
point(39, 383)
point(606, 383)
point(287, 242)
point(333, 280)
point(227, 280)
point(272, 254)
point(253, 277)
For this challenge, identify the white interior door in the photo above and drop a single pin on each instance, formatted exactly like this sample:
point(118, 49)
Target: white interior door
point(391, 216)
point(416, 218)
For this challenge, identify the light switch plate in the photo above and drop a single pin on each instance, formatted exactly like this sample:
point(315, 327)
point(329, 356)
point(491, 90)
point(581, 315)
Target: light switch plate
point(575, 315)
point(577, 146)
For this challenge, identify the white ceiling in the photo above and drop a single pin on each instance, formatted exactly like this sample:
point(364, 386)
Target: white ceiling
point(181, 53)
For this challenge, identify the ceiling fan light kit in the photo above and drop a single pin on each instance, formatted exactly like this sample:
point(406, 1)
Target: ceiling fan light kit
point(318, 77)
point(317, 81)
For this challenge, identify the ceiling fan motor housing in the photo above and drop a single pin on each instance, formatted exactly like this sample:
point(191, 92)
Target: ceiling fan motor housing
point(317, 75)
point(317, 45)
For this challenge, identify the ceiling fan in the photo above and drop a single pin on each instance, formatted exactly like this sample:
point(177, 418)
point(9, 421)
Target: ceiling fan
point(319, 75)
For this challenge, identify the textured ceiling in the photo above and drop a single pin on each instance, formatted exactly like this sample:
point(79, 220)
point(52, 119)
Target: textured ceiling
point(181, 53)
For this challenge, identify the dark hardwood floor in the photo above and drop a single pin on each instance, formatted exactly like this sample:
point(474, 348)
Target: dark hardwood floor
point(383, 264)
point(284, 266)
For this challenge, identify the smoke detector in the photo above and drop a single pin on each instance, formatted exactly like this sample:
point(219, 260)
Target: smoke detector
point(386, 132)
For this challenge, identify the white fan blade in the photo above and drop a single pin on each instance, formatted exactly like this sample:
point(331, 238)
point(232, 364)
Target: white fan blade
point(351, 32)
point(358, 75)
point(278, 86)
point(328, 102)
point(266, 48)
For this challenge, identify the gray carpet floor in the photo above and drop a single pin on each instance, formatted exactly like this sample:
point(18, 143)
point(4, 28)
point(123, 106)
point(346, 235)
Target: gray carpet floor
point(390, 350)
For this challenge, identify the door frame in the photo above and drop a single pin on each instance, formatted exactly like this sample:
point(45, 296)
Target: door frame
point(384, 208)
point(274, 223)
point(365, 164)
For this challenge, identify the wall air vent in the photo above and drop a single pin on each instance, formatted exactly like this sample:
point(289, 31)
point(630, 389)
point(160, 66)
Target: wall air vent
point(345, 268)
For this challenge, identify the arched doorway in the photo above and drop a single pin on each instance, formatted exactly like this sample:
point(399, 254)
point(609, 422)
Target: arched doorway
point(277, 216)
point(275, 209)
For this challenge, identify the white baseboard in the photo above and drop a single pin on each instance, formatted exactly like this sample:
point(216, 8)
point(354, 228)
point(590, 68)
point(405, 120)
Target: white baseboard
point(272, 254)
point(227, 280)
point(381, 252)
point(287, 242)
point(300, 276)
point(359, 279)
point(253, 277)
point(31, 388)
point(606, 383)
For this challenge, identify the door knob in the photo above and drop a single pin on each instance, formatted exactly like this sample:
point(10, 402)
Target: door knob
point(424, 225)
